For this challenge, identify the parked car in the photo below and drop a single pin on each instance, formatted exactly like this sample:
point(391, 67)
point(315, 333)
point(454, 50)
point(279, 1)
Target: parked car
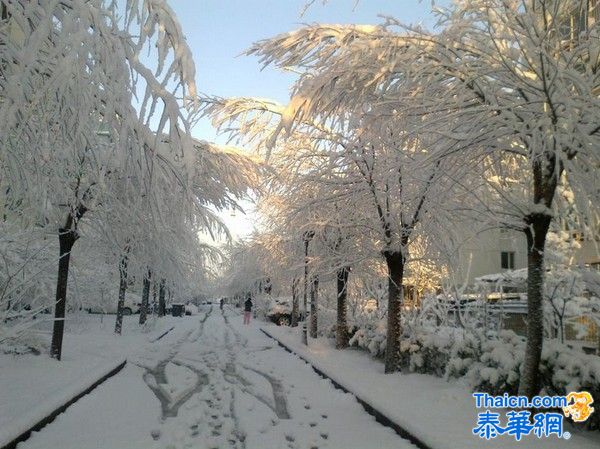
point(132, 305)
point(191, 309)
point(279, 311)
point(178, 309)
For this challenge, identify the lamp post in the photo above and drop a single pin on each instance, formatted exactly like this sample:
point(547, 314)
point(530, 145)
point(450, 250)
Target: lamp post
point(307, 236)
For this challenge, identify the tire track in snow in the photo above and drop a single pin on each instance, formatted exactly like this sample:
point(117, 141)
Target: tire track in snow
point(156, 377)
point(279, 403)
point(278, 393)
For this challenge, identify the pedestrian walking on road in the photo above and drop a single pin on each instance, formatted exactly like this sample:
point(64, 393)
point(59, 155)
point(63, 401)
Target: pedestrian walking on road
point(247, 310)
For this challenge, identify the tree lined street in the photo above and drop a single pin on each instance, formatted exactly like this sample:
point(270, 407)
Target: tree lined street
point(408, 196)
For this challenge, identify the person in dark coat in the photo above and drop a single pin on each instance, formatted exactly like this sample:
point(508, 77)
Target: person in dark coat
point(247, 310)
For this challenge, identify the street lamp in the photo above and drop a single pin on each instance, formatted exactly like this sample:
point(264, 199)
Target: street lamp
point(307, 236)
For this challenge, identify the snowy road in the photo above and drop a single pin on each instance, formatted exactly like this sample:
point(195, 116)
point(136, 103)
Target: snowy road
point(213, 383)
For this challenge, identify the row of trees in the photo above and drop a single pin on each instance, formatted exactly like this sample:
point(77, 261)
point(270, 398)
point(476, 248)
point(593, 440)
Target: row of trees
point(97, 103)
point(398, 142)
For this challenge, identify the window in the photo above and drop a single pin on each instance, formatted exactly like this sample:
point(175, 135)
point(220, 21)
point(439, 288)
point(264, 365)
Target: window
point(507, 260)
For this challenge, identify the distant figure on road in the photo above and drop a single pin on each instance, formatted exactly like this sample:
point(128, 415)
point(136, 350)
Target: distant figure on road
point(221, 303)
point(247, 310)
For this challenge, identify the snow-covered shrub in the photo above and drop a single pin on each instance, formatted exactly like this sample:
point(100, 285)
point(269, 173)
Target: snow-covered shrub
point(426, 353)
point(489, 363)
point(17, 339)
point(464, 353)
point(564, 370)
point(370, 337)
point(498, 369)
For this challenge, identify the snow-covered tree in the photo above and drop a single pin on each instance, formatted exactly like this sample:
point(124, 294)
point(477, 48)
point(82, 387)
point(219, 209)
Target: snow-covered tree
point(502, 79)
point(368, 177)
point(93, 132)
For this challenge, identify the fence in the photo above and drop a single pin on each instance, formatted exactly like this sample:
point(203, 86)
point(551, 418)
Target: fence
point(512, 315)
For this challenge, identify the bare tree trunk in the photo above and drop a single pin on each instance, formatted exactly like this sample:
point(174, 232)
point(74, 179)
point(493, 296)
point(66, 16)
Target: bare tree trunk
point(145, 297)
point(66, 239)
point(341, 330)
point(161, 298)
point(536, 239)
point(122, 290)
point(395, 266)
point(295, 311)
point(314, 306)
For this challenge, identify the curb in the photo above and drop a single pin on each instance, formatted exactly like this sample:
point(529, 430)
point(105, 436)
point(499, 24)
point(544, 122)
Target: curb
point(370, 409)
point(52, 416)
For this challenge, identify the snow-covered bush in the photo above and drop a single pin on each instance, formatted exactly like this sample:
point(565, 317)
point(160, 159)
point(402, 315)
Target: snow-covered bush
point(564, 370)
point(18, 339)
point(463, 354)
point(371, 337)
point(497, 370)
point(426, 352)
point(490, 364)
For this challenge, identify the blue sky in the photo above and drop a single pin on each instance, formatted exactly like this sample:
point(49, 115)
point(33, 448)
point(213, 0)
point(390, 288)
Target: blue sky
point(218, 31)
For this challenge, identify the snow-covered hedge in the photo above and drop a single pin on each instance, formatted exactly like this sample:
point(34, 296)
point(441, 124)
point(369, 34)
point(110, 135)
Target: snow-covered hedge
point(370, 337)
point(564, 371)
point(490, 364)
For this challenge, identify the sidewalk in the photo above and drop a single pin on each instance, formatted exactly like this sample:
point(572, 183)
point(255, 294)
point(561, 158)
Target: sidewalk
point(441, 414)
point(33, 387)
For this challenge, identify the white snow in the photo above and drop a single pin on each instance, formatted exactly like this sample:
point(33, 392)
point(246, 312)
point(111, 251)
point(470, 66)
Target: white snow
point(31, 387)
point(236, 388)
point(442, 414)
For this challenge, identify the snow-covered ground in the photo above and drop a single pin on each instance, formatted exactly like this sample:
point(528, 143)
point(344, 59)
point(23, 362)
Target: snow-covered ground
point(441, 414)
point(33, 386)
point(214, 383)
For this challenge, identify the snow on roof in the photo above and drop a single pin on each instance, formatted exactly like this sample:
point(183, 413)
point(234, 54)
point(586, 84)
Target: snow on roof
point(510, 277)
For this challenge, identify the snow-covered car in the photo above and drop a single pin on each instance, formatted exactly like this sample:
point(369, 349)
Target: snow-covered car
point(191, 309)
point(279, 311)
point(132, 305)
